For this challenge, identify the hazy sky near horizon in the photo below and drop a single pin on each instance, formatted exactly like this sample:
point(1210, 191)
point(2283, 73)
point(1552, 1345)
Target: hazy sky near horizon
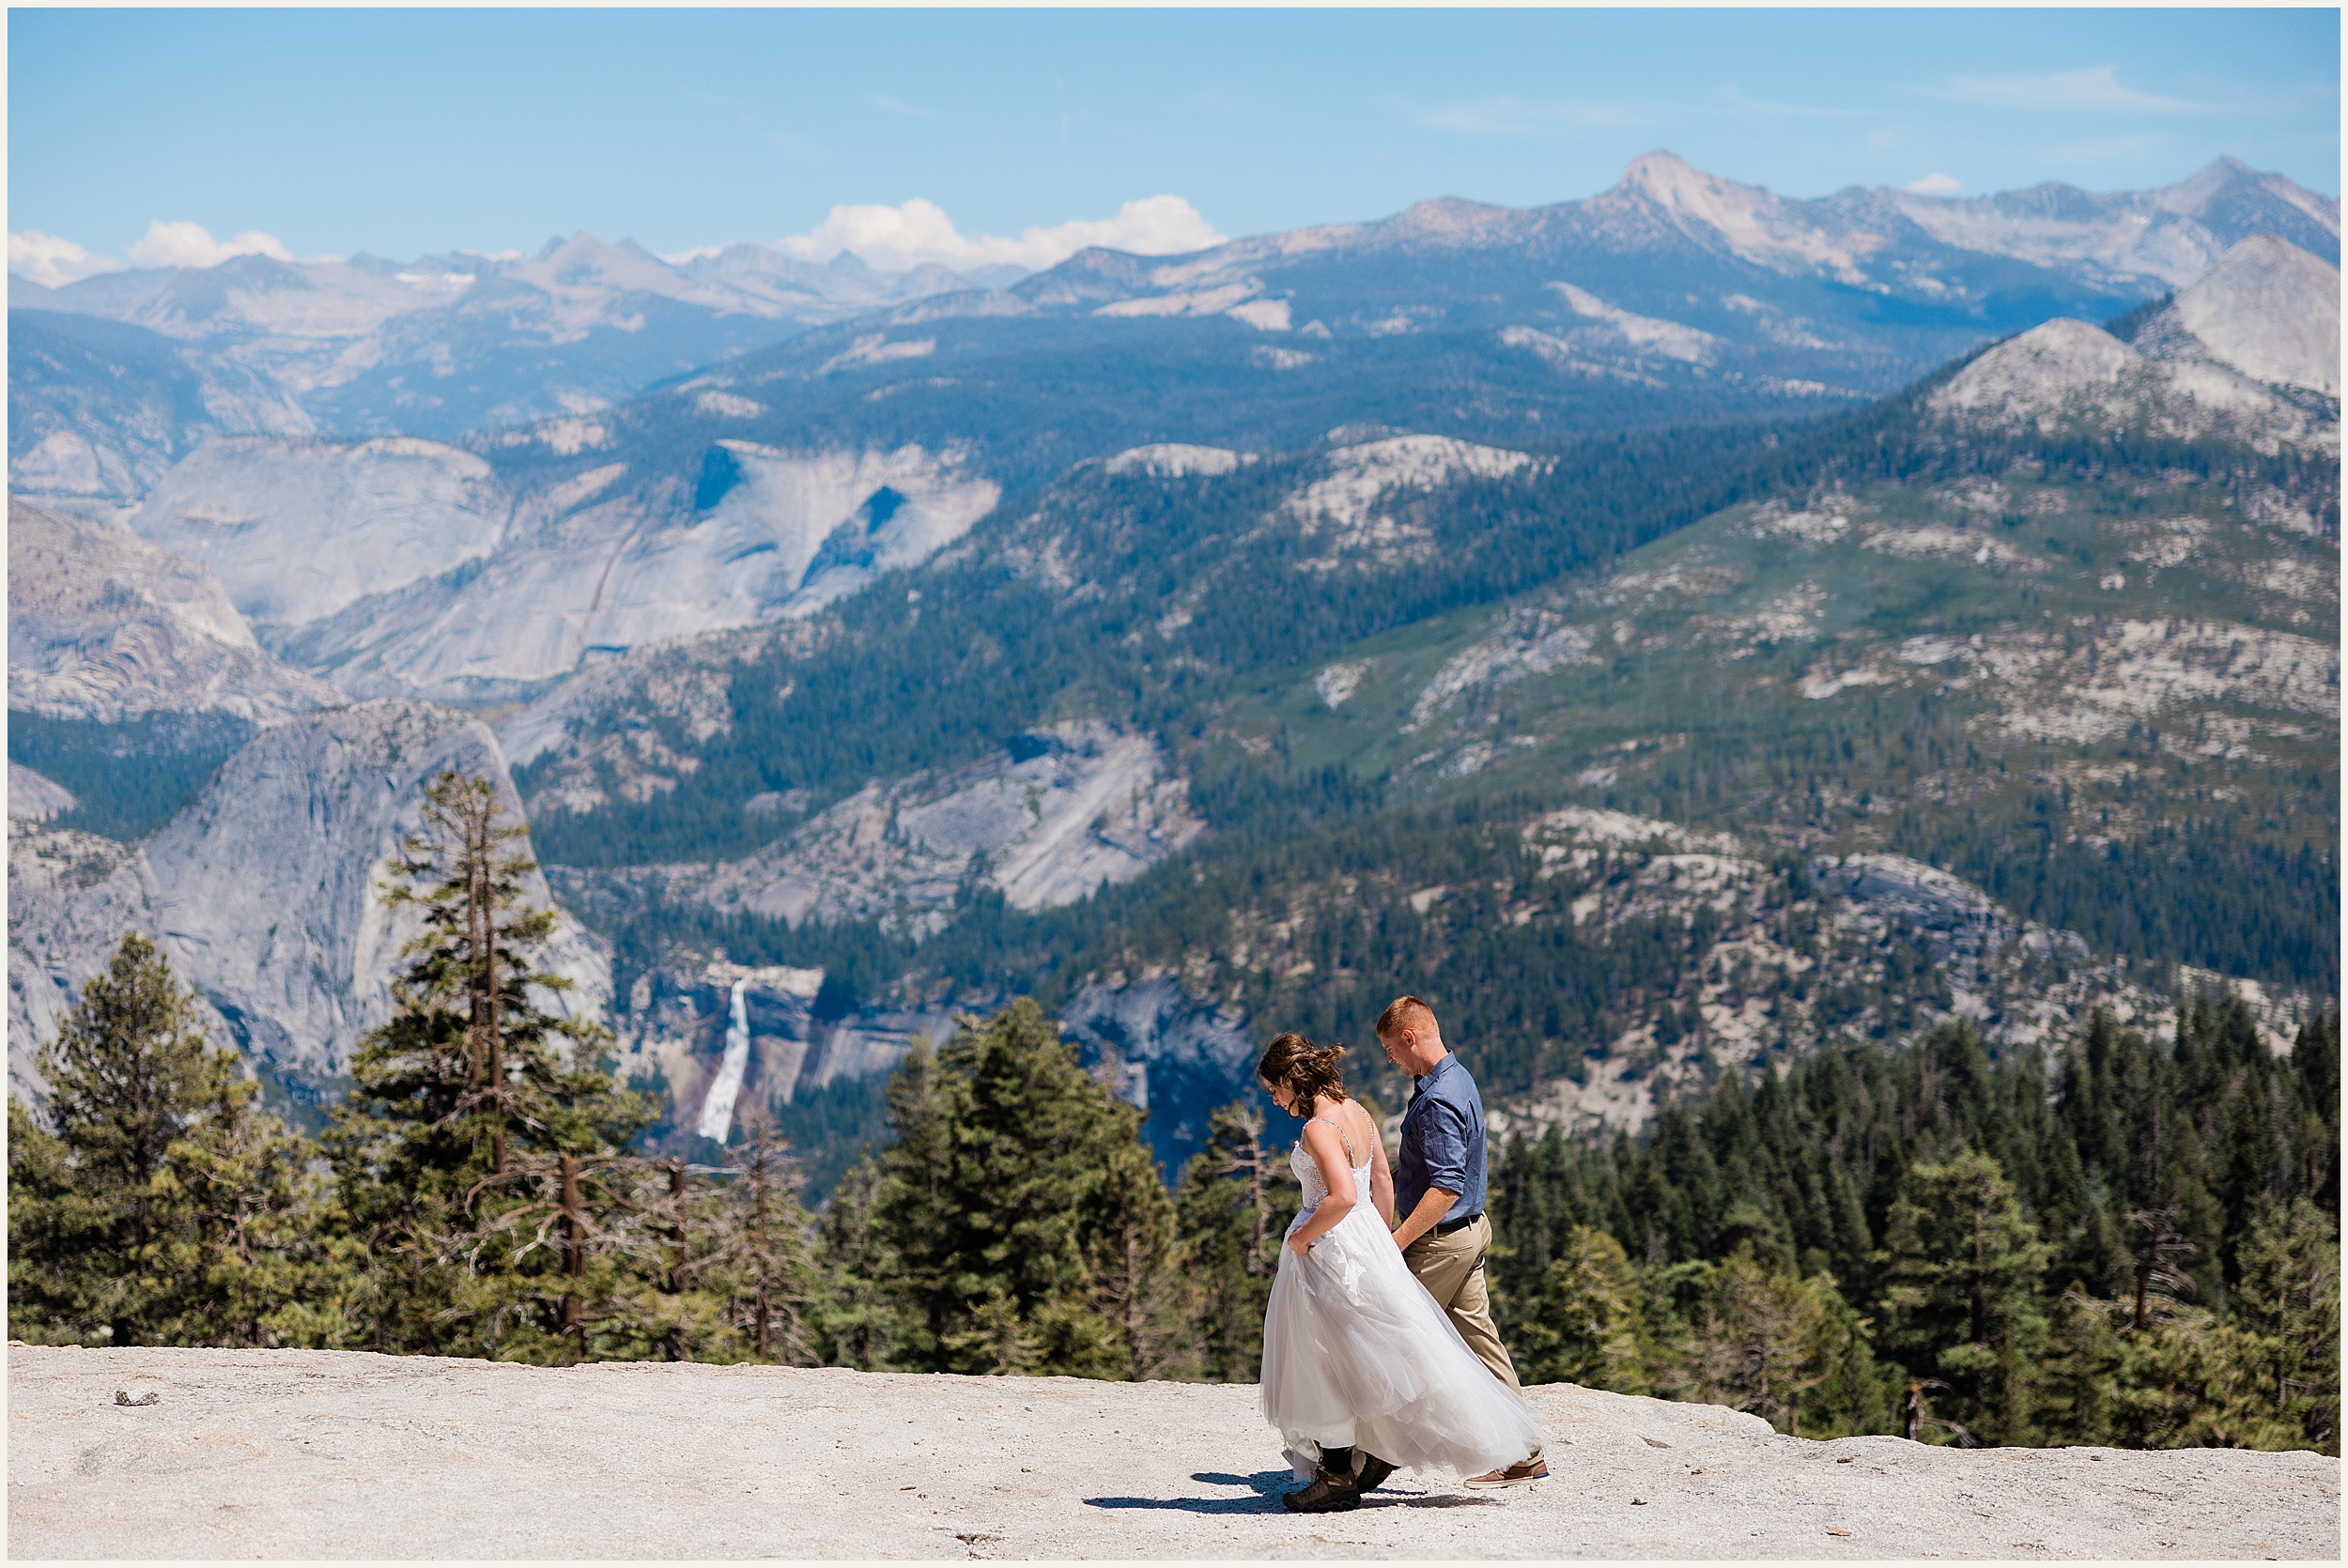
point(409, 132)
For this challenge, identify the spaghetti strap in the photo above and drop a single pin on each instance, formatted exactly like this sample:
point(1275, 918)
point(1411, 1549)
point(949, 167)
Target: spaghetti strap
point(1342, 1138)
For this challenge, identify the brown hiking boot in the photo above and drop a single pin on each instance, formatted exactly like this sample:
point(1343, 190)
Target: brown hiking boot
point(1374, 1473)
point(1328, 1494)
point(1522, 1473)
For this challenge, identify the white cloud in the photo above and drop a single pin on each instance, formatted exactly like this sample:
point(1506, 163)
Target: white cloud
point(186, 244)
point(47, 259)
point(2096, 88)
point(1935, 184)
point(895, 238)
point(53, 262)
point(1506, 116)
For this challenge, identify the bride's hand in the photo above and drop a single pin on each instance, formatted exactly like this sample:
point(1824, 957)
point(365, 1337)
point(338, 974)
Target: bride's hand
point(1298, 1245)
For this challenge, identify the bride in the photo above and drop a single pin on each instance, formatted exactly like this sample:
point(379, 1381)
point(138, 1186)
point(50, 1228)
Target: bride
point(1362, 1373)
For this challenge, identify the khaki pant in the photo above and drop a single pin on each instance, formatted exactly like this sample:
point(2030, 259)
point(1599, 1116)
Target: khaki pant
point(1452, 1269)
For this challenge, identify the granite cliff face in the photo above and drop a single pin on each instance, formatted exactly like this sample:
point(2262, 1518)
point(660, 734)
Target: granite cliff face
point(104, 626)
point(404, 567)
point(262, 894)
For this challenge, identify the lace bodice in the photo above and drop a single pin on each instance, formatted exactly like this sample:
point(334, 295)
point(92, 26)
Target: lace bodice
point(1307, 1171)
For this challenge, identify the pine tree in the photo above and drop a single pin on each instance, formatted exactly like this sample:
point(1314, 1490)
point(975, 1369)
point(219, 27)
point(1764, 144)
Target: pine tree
point(59, 1241)
point(1231, 1206)
point(1588, 1324)
point(2290, 1292)
point(1963, 1268)
point(860, 1319)
point(1012, 1201)
point(762, 1262)
point(478, 1153)
point(260, 1256)
point(160, 1205)
point(1767, 1340)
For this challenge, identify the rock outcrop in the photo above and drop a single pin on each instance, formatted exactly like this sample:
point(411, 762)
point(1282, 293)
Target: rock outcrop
point(293, 1453)
point(33, 798)
point(1061, 812)
point(261, 892)
point(104, 626)
point(2249, 351)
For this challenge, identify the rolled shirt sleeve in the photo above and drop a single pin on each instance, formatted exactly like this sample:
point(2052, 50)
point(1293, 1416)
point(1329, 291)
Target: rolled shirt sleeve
point(1443, 1142)
point(1443, 1131)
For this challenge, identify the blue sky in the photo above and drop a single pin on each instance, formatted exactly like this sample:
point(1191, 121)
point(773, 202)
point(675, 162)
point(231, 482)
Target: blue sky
point(403, 132)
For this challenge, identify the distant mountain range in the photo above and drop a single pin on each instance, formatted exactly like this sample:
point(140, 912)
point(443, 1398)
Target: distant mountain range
point(1672, 276)
point(1682, 625)
point(449, 344)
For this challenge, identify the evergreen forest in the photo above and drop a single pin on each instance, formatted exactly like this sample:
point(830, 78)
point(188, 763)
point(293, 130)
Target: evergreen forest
point(2125, 1239)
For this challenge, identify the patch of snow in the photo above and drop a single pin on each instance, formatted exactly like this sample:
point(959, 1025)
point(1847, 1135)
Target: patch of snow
point(1174, 460)
point(728, 405)
point(1265, 315)
point(874, 348)
point(1206, 302)
point(1671, 339)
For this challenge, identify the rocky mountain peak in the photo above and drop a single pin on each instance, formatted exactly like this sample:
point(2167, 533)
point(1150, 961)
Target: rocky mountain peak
point(1664, 177)
point(1447, 217)
point(2269, 310)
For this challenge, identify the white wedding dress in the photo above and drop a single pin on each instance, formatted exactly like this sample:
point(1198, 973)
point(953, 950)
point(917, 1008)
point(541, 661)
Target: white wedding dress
point(1356, 1354)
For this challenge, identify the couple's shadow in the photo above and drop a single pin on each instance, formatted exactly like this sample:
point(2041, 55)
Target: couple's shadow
point(1265, 1487)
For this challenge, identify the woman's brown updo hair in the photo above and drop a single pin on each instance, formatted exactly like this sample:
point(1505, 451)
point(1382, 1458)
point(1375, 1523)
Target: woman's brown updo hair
point(1309, 1071)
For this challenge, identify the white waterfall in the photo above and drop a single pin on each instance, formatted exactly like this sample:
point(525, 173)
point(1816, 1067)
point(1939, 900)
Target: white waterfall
point(718, 1105)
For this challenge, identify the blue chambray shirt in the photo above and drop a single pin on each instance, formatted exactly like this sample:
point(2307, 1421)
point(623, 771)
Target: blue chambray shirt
point(1443, 1142)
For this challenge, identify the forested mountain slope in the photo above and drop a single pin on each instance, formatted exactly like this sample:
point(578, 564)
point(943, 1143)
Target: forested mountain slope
point(1657, 754)
point(1653, 736)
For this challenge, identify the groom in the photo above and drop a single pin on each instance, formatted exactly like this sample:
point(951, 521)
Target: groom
point(1439, 1199)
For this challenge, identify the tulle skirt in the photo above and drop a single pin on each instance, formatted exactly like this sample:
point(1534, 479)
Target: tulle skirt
point(1356, 1354)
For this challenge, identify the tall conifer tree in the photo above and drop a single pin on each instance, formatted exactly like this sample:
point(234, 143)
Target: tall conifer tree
point(474, 1106)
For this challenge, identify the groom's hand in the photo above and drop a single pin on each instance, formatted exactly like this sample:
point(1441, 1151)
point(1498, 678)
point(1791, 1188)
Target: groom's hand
point(1433, 1205)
